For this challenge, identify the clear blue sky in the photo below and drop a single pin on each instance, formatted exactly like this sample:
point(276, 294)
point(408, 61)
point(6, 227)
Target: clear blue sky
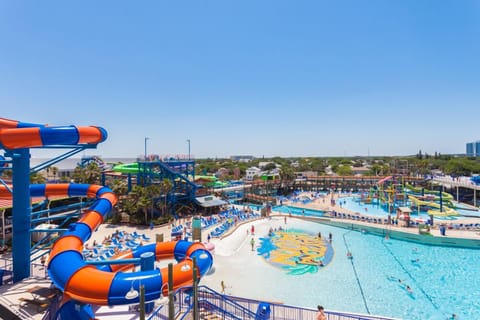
point(273, 78)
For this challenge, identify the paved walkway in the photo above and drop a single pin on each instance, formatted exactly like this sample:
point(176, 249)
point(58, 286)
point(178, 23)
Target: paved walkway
point(319, 204)
point(11, 295)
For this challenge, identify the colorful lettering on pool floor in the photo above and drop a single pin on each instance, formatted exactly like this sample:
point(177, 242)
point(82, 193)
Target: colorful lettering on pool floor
point(295, 251)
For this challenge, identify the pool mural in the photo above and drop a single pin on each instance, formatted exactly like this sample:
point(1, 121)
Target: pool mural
point(443, 280)
point(296, 251)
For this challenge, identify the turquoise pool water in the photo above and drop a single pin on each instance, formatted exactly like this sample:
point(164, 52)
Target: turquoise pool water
point(443, 280)
point(352, 204)
point(298, 211)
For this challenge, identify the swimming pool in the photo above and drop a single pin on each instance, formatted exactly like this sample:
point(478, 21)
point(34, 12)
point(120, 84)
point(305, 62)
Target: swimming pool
point(443, 280)
point(298, 211)
point(352, 204)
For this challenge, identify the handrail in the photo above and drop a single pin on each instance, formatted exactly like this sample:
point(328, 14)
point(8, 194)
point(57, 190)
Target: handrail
point(227, 304)
point(176, 174)
point(244, 308)
point(205, 304)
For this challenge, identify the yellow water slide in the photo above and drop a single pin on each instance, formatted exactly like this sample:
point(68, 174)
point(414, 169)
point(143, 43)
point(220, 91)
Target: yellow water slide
point(446, 211)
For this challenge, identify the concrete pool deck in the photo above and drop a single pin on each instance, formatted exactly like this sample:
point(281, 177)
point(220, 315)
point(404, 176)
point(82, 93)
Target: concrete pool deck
point(232, 248)
point(453, 233)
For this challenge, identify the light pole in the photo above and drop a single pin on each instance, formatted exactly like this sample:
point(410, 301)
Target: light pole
point(146, 138)
point(188, 141)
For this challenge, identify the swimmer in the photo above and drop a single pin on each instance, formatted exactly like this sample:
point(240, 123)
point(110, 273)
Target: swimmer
point(349, 255)
point(407, 287)
point(392, 278)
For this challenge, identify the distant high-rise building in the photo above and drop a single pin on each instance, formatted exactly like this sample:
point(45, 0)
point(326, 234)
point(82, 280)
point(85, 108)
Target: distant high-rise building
point(473, 149)
point(470, 149)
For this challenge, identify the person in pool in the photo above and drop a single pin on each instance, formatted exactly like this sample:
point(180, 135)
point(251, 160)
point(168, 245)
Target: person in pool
point(409, 290)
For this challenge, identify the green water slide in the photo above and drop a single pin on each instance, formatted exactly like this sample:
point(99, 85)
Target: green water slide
point(418, 190)
point(446, 210)
point(127, 168)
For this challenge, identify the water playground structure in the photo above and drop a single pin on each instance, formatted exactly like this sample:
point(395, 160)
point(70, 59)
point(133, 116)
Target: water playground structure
point(180, 173)
point(391, 193)
point(84, 284)
point(186, 186)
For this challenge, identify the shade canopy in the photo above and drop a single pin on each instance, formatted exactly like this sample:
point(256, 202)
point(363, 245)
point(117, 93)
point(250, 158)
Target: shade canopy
point(210, 201)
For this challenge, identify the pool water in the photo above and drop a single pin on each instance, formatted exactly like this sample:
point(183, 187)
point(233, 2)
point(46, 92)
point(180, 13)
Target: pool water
point(443, 280)
point(298, 211)
point(374, 209)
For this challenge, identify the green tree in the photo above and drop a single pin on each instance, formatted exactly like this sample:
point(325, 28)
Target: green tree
point(462, 167)
point(318, 165)
point(138, 201)
point(90, 174)
point(119, 187)
point(344, 170)
point(286, 174)
point(375, 169)
point(270, 166)
point(165, 188)
point(37, 178)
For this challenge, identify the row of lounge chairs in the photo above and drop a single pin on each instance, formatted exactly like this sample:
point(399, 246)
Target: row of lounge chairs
point(230, 218)
point(119, 241)
point(225, 220)
point(464, 226)
point(363, 218)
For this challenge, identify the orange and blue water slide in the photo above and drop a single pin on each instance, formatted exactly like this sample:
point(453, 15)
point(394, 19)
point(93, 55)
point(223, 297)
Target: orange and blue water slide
point(105, 284)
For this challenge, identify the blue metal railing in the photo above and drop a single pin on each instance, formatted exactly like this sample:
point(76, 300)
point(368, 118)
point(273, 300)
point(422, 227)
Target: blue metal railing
point(235, 308)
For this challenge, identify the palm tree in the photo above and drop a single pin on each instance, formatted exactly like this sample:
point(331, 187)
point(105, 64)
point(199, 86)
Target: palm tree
point(37, 178)
point(165, 188)
point(90, 173)
point(286, 174)
point(54, 172)
point(130, 203)
point(6, 174)
point(120, 188)
point(152, 192)
point(144, 202)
